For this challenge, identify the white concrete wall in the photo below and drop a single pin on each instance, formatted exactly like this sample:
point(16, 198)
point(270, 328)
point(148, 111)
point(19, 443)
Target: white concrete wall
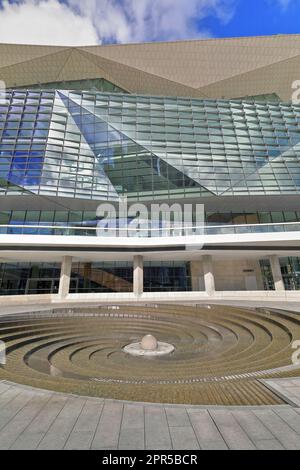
point(230, 275)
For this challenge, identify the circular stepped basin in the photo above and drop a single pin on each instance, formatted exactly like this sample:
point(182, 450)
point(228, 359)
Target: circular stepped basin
point(218, 358)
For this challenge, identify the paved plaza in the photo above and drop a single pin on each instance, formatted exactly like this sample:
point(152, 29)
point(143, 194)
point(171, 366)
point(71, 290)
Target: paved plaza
point(39, 419)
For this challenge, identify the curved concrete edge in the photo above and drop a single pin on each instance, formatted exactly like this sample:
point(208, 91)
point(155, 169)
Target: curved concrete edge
point(288, 300)
point(288, 389)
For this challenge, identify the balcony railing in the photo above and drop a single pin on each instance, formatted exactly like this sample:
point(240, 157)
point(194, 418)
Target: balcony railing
point(172, 231)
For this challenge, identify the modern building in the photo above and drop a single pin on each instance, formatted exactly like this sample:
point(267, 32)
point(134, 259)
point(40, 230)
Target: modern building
point(195, 122)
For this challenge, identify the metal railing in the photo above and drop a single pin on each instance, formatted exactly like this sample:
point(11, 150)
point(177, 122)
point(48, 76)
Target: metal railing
point(172, 231)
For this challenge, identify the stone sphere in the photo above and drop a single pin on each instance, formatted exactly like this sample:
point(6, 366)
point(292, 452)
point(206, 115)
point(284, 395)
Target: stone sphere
point(149, 343)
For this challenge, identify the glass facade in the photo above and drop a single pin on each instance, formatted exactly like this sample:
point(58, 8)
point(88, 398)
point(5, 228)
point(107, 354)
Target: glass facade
point(10, 220)
point(290, 270)
point(97, 146)
point(29, 278)
point(71, 148)
point(43, 278)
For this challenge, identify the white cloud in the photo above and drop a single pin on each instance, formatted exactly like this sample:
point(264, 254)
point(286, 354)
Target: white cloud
point(284, 3)
point(148, 20)
point(44, 22)
point(80, 22)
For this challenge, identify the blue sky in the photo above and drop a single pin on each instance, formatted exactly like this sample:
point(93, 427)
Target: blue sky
point(259, 17)
point(83, 22)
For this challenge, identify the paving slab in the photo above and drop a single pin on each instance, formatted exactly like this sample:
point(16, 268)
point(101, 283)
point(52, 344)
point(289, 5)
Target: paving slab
point(4, 387)
point(208, 435)
point(232, 432)
point(8, 395)
point(280, 429)
point(252, 426)
point(132, 433)
point(61, 428)
point(85, 427)
point(177, 417)
point(36, 430)
point(157, 433)
point(13, 406)
point(269, 444)
point(20, 421)
point(288, 389)
point(38, 419)
point(108, 430)
point(184, 438)
point(291, 417)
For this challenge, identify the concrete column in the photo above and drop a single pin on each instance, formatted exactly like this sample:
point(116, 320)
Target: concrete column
point(276, 271)
point(65, 276)
point(196, 271)
point(138, 275)
point(209, 279)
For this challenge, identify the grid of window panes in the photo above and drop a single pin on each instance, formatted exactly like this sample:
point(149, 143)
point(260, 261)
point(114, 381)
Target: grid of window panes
point(89, 218)
point(71, 168)
point(166, 276)
point(290, 270)
point(227, 147)
point(101, 277)
point(24, 127)
point(43, 278)
point(42, 151)
point(118, 277)
point(29, 278)
point(94, 145)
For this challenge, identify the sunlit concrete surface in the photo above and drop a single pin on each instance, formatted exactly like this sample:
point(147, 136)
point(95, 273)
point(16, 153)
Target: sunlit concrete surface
point(288, 300)
point(38, 419)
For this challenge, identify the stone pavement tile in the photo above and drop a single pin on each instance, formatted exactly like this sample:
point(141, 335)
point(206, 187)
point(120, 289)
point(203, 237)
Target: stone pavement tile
point(293, 393)
point(59, 431)
point(183, 438)
point(85, 426)
point(4, 387)
point(20, 421)
point(289, 385)
point(14, 406)
point(206, 431)
point(80, 440)
point(108, 430)
point(133, 416)
point(37, 429)
point(132, 434)
point(279, 428)
point(231, 431)
point(89, 417)
point(291, 389)
point(291, 381)
point(27, 441)
point(291, 418)
point(269, 444)
point(132, 439)
point(8, 396)
point(177, 417)
point(253, 427)
point(157, 432)
point(288, 389)
point(280, 382)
